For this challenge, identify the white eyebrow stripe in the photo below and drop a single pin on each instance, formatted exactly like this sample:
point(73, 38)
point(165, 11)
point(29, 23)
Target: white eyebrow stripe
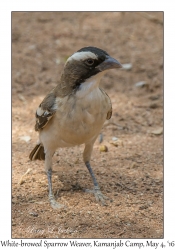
point(82, 56)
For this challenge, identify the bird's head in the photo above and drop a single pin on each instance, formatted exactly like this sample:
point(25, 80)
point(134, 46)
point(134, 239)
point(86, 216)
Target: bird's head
point(87, 65)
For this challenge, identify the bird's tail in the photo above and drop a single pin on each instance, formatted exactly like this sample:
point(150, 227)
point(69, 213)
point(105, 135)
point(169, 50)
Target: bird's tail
point(37, 153)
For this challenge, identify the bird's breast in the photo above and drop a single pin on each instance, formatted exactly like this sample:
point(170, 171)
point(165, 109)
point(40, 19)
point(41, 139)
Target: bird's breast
point(77, 121)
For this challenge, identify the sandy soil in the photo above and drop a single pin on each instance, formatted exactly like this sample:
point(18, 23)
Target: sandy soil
point(130, 174)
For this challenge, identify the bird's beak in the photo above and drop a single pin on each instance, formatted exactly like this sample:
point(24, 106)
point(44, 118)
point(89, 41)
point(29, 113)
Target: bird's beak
point(109, 63)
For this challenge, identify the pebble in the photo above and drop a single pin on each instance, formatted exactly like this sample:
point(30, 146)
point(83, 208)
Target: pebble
point(25, 138)
point(21, 97)
point(141, 84)
point(157, 131)
point(57, 61)
point(117, 143)
point(127, 66)
point(134, 165)
point(76, 161)
point(114, 138)
point(34, 214)
point(31, 47)
point(103, 148)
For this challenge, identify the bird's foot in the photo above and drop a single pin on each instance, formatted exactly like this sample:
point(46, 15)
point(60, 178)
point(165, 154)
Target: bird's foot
point(54, 203)
point(98, 195)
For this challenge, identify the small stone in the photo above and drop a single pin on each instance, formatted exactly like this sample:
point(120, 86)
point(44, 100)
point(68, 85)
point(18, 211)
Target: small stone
point(34, 214)
point(157, 131)
point(57, 61)
point(76, 161)
point(143, 207)
point(133, 165)
point(141, 84)
point(21, 98)
point(114, 138)
point(150, 202)
point(127, 66)
point(25, 138)
point(117, 143)
point(103, 148)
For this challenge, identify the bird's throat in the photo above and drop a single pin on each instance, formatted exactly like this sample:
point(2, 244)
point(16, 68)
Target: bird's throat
point(89, 85)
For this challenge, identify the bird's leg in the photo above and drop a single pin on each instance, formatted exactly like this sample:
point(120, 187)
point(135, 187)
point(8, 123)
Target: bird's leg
point(98, 194)
point(86, 155)
point(48, 163)
point(92, 175)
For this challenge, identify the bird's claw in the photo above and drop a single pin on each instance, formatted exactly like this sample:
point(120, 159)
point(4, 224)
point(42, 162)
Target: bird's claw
point(98, 195)
point(54, 203)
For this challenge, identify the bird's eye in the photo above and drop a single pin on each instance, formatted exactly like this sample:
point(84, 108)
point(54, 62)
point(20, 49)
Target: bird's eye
point(89, 62)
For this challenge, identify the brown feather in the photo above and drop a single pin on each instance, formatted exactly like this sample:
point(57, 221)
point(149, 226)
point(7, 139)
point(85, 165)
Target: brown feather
point(37, 153)
point(109, 114)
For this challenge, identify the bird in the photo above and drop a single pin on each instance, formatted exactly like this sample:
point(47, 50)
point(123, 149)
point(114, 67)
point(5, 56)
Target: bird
point(73, 113)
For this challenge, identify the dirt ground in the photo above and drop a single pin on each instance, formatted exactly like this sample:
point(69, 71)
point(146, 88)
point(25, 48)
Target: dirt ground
point(130, 174)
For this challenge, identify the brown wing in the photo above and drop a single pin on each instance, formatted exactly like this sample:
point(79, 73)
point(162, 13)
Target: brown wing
point(109, 113)
point(45, 111)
